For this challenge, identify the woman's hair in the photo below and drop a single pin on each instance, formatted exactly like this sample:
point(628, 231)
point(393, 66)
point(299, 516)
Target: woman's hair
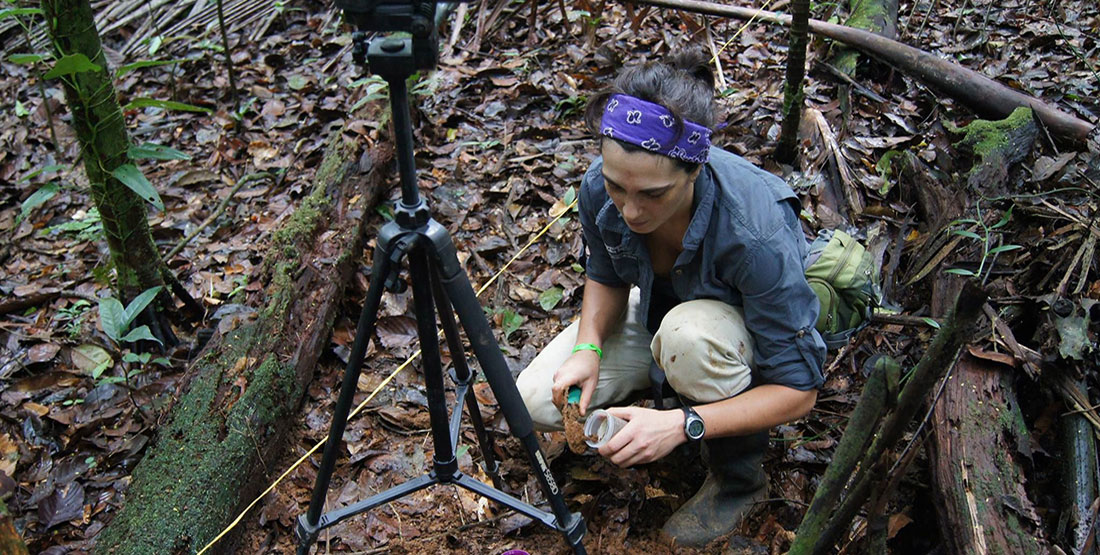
point(683, 83)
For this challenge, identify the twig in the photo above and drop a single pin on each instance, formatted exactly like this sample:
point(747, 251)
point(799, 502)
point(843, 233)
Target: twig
point(714, 52)
point(859, 87)
point(217, 212)
point(228, 59)
point(903, 320)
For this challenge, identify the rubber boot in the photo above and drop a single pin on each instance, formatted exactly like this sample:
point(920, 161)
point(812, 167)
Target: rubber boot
point(735, 482)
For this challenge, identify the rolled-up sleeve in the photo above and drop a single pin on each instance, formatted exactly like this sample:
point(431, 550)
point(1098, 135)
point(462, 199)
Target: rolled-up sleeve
point(780, 312)
point(597, 265)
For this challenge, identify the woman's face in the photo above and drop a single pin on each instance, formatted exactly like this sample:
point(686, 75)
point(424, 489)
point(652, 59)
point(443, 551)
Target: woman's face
point(648, 189)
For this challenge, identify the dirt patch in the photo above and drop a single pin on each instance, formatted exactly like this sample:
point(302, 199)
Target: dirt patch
point(574, 428)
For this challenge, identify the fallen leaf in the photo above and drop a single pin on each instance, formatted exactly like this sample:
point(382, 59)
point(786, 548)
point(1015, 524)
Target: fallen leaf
point(65, 504)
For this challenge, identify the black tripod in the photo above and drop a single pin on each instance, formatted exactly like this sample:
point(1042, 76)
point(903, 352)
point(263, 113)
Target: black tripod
point(438, 284)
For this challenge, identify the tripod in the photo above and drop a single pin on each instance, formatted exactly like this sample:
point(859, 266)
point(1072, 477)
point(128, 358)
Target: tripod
point(439, 284)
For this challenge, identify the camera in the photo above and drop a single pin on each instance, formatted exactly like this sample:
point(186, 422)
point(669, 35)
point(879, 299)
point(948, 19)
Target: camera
point(415, 18)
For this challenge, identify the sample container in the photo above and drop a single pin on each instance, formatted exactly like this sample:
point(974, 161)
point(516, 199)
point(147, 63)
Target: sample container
point(601, 425)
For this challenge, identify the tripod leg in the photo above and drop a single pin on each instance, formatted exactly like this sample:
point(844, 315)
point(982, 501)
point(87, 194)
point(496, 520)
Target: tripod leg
point(500, 378)
point(463, 376)
point(446, 466)
point(308, 523)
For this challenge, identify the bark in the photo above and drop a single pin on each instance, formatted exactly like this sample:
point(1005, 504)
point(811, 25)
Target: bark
point(984, 95)
point(995, 146)
point(101, 132)
point(877, 16)
point(240, 396)
point(787, 149)
point(978, 443)
point(1079, 488)
point(936, 361)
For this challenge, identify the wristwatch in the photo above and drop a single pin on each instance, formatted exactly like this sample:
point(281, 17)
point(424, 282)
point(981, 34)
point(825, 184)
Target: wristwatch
point(693, 424)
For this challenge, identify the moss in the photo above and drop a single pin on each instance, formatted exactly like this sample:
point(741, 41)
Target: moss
point(216, 427)
point(867, 14)
point(986, 137)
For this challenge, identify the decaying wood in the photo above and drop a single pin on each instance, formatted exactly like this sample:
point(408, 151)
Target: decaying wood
point(877, 16)
point(940, 357)
point(995, 146)
point(238, 398)
point(984, 95)
point(979, 438)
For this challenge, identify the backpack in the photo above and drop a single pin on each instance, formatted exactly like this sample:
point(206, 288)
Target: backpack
point(841, 272)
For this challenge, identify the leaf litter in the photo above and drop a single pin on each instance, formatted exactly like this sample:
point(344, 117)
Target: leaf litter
point(501, 146)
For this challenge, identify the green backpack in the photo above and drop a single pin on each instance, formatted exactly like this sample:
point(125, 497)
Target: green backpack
point(841, 272)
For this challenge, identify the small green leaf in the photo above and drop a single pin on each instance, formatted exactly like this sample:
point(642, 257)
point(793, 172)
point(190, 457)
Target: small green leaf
point(959, 272)
point(130, 357)
point(26, 59)
point(164, 104)
point(132, 177)
point(98, 370)
point(71, 64)
point(156, 152)
point(139, 303)
point(21, 110)
point(931, 322)
point(14, 12)
point(123, 70)
point(550, 298)
point(154, 44)
point(964, 221)
point(511, 322)
point(1004, 219)
point(138, 334)
point(966, 233)
point(577, 268)
point(1004, 248)
point(570, 196)
point(41, 170)
point(297, 82)
point(161, 361)
point(37, 198)
point(112, 317)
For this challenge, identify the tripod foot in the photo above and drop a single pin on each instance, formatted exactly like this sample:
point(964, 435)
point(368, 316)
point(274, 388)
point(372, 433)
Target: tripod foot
point(574, 531)
point(306, 534)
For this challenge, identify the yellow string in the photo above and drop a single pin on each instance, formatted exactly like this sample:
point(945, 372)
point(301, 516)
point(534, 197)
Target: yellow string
point(363, 404)
point(740, 29)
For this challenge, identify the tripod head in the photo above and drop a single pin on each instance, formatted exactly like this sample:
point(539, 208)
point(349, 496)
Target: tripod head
point(420, 52)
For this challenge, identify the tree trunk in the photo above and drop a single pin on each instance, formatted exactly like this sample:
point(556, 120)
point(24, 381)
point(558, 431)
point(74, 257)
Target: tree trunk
point(241, 395)
point(877, 16)
point(787, 150)
point(101, 132)
point(979, 436)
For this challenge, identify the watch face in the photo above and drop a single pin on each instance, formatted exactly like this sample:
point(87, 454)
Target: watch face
point(695, 429)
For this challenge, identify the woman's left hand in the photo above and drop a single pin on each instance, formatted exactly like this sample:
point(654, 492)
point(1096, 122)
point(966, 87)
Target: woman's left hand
point(648, 435)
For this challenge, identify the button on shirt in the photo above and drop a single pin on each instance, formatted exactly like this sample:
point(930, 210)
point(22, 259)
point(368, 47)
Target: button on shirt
point(744, 246)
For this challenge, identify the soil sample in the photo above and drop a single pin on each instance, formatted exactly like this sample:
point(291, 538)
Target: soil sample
point(574, 428)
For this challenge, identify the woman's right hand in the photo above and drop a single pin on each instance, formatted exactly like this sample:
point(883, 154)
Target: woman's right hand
point(582, 369)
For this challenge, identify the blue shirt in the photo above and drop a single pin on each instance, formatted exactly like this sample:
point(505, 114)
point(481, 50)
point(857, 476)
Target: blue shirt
point(744, 246)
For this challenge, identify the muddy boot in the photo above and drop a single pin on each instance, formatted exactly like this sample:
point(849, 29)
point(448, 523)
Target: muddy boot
point(735, 482)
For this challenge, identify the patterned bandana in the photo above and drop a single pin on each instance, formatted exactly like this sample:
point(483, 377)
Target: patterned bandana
point(652, 127)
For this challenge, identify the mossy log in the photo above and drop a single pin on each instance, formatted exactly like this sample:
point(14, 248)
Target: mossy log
point(241, 394)
point(979, 438)
point(1079, 487)
point(995, 146)
point(877, 16)
point(983, 94)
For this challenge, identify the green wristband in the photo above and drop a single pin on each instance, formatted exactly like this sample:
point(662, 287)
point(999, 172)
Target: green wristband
point(589, 347)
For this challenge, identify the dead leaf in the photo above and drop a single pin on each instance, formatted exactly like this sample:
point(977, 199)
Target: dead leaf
point(43, 352)
point(65, 504)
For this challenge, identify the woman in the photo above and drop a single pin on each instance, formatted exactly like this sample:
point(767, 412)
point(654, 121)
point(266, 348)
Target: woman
point(695, 262)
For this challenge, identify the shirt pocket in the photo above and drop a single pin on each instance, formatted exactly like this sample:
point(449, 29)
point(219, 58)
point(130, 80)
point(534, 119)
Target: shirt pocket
point(626, 263)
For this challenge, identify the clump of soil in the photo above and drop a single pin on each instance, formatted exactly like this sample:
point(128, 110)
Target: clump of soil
point(574, 428)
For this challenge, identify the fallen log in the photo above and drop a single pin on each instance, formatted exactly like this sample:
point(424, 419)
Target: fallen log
point(995, 146)
point(952, 336)
point(239, 397)
point(978, 440)
point(1079, 487)
point(986, 96)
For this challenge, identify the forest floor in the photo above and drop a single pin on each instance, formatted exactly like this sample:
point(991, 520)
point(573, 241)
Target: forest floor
point(501, 147)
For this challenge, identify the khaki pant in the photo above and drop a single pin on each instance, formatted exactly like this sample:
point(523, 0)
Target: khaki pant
point(703, 347)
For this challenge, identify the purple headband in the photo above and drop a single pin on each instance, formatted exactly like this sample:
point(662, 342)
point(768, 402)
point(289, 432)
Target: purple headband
point(652, 127)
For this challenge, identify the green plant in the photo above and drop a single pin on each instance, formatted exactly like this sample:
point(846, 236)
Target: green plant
point(990, 234)
point(73, 316)
point(116, 320)
point(85, 225)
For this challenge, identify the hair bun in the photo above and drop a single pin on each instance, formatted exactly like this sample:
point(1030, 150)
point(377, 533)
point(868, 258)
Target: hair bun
point(693, 60)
